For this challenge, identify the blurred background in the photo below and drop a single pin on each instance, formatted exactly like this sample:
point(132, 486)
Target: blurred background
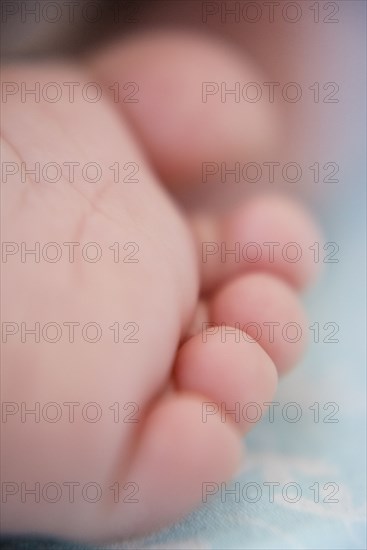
point(306, 42)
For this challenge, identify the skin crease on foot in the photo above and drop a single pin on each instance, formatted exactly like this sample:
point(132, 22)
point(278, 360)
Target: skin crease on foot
point(170, 452)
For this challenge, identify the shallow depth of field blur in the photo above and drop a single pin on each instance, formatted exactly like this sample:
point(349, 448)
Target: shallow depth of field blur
point(325, 44)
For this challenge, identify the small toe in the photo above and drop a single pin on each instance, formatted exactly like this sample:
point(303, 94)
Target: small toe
point(235, 374)
point(268, 310)
point(267, 233)
point(176, 456)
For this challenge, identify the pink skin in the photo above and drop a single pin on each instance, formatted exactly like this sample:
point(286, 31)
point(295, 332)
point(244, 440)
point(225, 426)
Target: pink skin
point(269, 311)
point(171, 451)
point(271, 223)
point(178, 125)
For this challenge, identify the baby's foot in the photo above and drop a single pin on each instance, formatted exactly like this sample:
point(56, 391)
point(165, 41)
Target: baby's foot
point(138, 420)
